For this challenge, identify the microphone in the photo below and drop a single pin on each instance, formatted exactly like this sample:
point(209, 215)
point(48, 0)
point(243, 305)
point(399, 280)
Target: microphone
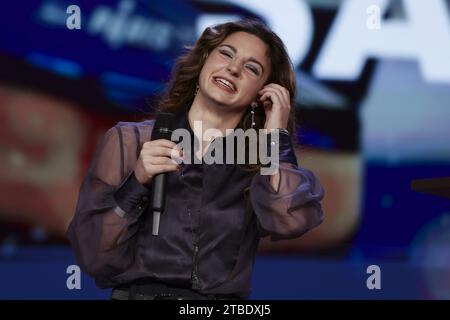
point(162, 129)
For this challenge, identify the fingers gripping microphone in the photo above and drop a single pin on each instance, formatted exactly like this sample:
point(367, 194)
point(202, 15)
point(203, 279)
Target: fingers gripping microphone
point(163, 128)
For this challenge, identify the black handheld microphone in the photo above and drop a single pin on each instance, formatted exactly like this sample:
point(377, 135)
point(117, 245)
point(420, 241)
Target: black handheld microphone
point(163, 128)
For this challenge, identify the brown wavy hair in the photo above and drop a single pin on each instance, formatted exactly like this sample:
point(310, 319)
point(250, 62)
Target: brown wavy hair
point(181, 89)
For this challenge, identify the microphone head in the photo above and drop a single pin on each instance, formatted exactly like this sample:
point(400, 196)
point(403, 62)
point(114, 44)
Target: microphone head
point(164, 126)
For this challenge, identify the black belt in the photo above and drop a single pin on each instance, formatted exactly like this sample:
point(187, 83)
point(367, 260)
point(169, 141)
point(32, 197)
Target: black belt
point(144, 290)
point(118, 294)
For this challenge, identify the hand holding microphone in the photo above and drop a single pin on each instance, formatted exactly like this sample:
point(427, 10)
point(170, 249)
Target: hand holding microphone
point(157, 157)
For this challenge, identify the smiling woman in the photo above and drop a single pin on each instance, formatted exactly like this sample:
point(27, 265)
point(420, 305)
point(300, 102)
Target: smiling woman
point(235, 71)
point(215, 214)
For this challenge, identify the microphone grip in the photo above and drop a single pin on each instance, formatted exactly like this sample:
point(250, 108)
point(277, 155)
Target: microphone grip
point(159, 195)
point(163, 128)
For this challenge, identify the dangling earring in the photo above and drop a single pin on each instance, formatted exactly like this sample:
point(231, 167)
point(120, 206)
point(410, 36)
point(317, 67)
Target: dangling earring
point(253, 105)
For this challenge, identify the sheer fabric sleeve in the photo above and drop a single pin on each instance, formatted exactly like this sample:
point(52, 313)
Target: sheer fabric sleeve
point(296, 207)
point(110, 203)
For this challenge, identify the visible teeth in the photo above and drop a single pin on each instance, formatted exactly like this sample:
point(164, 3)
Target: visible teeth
point(225, 82)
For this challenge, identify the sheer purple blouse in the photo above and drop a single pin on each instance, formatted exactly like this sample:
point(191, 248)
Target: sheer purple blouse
point(213, 220)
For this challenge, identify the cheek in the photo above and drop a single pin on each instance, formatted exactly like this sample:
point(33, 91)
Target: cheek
point(204, 77)
point(214, 62)
point(208, 68)
point(252, 87)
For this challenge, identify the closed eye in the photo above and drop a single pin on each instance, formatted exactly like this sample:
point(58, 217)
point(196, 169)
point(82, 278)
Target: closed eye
point(253, 69)
point(226, 53)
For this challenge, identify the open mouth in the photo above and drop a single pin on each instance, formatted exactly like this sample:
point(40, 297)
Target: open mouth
point(224, 84)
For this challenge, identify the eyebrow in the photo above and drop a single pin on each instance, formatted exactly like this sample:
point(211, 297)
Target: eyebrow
point(250, 59)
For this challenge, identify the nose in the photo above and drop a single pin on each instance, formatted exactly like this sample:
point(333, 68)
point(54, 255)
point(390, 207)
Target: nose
point(234, 69)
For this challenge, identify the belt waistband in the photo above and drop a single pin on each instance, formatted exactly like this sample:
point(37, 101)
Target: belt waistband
point(145, 290)
point(118, 294)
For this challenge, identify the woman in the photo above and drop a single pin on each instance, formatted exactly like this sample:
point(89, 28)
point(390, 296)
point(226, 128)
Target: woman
point(238, 75)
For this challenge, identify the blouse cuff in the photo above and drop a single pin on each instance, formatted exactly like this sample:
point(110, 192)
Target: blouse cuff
point(131, 196)
point(285, 148)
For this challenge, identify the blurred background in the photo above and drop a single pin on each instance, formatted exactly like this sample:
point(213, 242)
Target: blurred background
point(373, 106)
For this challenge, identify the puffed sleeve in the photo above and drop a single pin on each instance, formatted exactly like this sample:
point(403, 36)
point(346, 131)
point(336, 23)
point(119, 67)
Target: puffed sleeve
point(296, 207)
point(110, 202)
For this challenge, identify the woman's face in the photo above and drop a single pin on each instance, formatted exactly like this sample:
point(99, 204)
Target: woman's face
point(235, 71)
